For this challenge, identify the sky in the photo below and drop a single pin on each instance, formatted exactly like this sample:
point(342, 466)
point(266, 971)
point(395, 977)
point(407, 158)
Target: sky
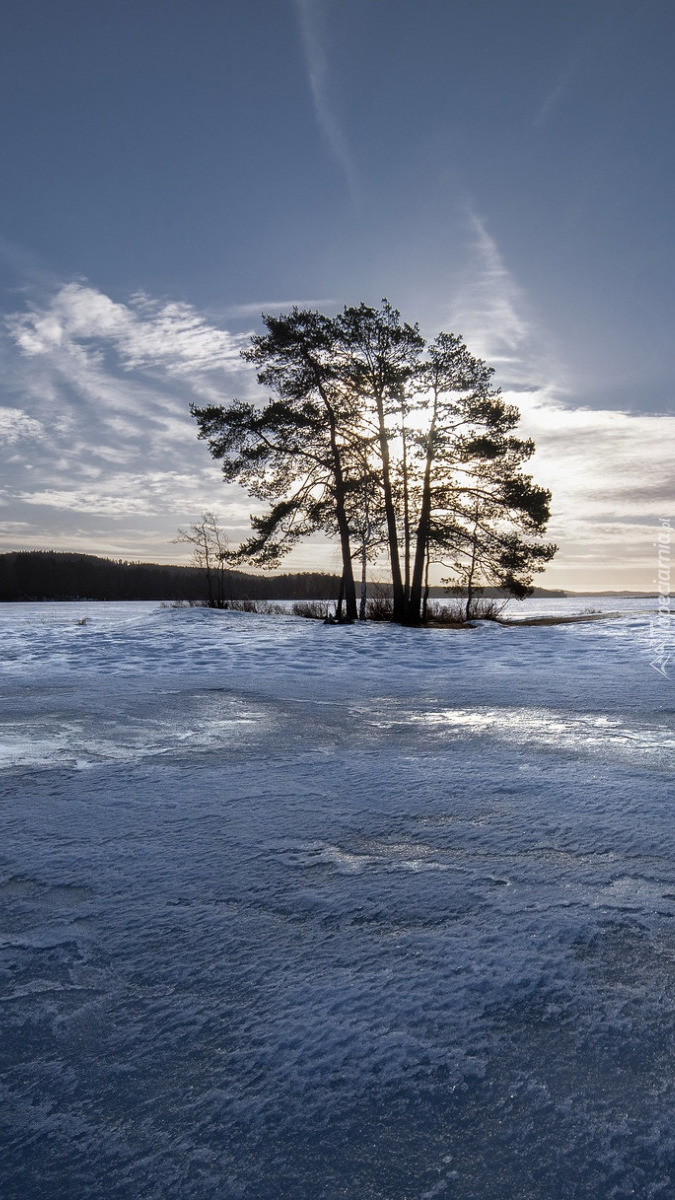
point(503, 169)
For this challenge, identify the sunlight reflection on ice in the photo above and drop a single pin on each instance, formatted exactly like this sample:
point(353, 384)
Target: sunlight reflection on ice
point(561, 730)
point(72, 745)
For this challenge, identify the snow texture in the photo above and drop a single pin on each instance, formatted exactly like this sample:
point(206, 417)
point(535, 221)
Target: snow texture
point(310, 912)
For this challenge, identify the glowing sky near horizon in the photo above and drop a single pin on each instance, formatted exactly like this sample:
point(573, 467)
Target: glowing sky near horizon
point(501, 170)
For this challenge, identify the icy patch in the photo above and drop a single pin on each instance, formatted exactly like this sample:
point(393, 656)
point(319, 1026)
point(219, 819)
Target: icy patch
point(563, 731)
point(77, 745)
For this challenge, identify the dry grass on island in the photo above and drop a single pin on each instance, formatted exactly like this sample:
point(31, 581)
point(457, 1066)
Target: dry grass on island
point(444, 615)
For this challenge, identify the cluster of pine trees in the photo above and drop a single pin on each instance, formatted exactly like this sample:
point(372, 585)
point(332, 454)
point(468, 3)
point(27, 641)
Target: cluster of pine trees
point(393, 445)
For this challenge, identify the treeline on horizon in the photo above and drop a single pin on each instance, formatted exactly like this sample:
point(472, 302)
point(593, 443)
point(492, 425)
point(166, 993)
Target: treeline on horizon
point(54, 575)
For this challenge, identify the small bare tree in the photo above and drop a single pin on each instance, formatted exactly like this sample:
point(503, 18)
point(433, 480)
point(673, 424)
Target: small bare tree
point(366, 523)
point(210, 553)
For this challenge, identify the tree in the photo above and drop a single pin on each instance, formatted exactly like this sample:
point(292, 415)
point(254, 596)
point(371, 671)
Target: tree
point(484, 549)
point(210, 553)
point(458, 406)
point(379, 357)
point(474, 498)
point(366, 523)
point(371, 432)
point(297, 451)
point(445, 442)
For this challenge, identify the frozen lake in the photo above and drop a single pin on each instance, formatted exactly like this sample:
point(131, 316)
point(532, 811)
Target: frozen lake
point(307, 912)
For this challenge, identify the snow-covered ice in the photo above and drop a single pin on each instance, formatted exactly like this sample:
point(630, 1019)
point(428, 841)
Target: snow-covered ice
point(305, 912)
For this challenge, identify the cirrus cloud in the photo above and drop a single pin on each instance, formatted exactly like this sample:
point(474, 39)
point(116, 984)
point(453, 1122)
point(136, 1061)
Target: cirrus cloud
point(94, 421)
point(145, 333)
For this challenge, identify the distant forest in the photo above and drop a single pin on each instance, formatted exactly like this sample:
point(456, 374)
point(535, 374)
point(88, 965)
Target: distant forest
point(50, 575)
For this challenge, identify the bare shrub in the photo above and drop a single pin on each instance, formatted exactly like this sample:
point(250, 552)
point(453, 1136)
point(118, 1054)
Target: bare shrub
point(183, 604)
point(314, 610)
point(262, 607)
point(445, 614)
point(379, 608)
point(485, 608)
point(488, 608)
point(380, 604)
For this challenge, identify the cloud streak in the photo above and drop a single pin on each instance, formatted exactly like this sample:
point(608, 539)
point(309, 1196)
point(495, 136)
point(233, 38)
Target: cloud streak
point(557, 92)
point(608, 470)
point(94, 422)
point(16, 426)
point(145, 333)
point(491, 308)
point(309, 15)
point(270, 306)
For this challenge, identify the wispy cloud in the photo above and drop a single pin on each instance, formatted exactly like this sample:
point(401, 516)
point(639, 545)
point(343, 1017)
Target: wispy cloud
point(150, 493)
point(598, 460)
point(611, 477)
point(597, 32)
point(606, 469)
point(310, 16)
point(16, 425)
point(491, 309)
point(270, 306)
point(595, 462)
point(94, 421)
point(555, 96)
point(145, 332)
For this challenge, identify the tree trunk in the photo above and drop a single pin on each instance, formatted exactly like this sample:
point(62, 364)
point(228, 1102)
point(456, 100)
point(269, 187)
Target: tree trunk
point(341, 514)
point(220, 582)
point(406, 506)
point(472, 569)
point(349, 587)
point(422, 538)
point(341, 595)
point(365, 540)
point(399, 595)
point(364, 583)
point(209, 574)
point(425, 597)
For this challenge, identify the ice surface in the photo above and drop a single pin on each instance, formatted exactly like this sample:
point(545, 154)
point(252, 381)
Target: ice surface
point(313, 912)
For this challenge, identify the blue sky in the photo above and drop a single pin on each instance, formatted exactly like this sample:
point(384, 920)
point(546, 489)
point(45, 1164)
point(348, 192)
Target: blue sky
point(502, 169)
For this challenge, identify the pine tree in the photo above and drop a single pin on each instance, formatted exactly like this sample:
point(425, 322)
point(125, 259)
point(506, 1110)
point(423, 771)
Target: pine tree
point(372, 436)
